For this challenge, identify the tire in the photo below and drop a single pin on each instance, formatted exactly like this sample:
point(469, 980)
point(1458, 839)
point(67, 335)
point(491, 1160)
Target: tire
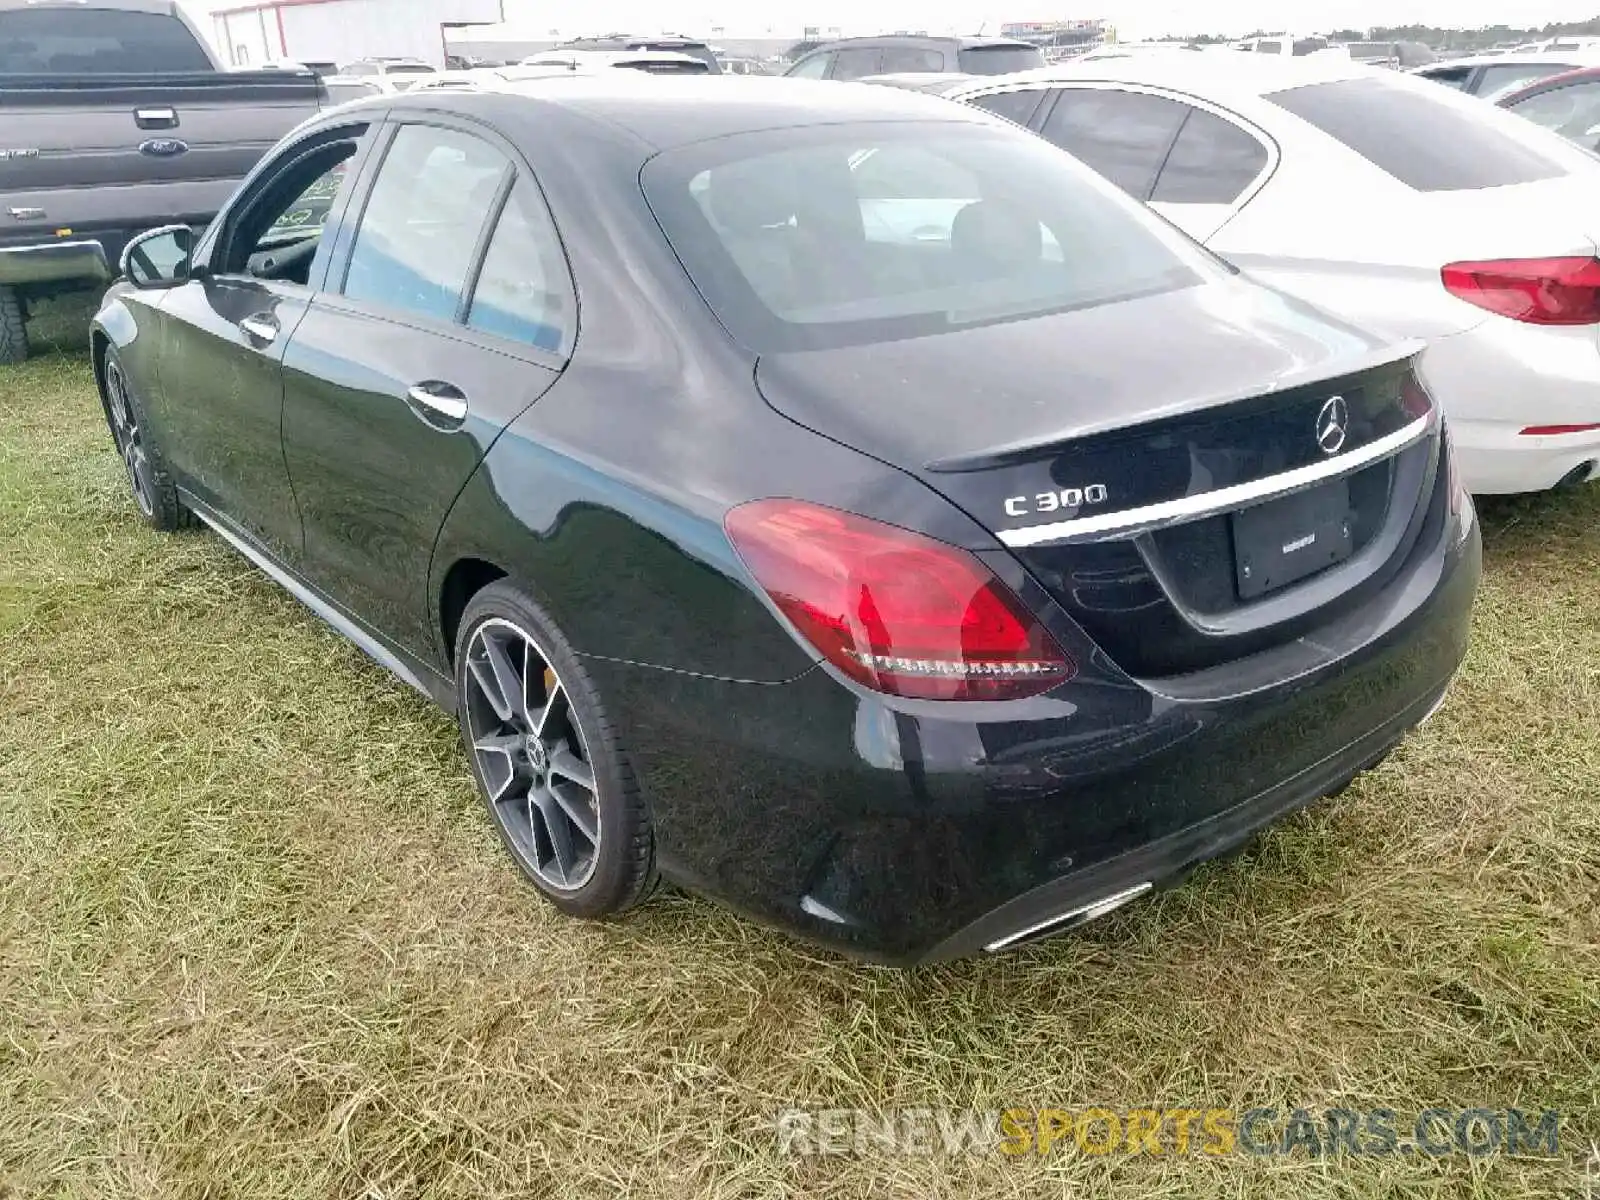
point(153, 492)
point(13, 327)
point(533, 727)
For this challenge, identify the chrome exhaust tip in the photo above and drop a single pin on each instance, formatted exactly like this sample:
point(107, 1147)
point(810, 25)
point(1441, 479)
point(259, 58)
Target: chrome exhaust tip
point(1072, 918)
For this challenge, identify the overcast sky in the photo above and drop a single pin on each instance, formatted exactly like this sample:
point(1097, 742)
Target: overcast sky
point(1133, 18)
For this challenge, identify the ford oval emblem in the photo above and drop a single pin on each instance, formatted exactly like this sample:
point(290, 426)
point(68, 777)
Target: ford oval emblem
point(164, 148)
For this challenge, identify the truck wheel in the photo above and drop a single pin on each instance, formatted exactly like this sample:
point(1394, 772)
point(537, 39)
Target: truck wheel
point(13, 331)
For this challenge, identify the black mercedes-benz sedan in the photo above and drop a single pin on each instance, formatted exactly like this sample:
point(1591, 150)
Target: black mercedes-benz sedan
point(824, 497)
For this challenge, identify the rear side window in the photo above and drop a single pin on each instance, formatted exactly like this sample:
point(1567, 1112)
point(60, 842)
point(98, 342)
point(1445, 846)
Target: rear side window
point(524, 292)
point(1018, 106)
point(1212, 162)
point(911, 59)
point(1572, 111)
point(1504, 78)
point(1268, 48)
point(423, 221)
point(1123, 135)
point(855, 64)
point(1455, 77)
point(66, 41)
point(1000, 60)
point(1428, 143)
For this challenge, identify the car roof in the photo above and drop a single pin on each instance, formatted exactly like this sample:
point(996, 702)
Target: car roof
point(1215, 75)
point(663, 113)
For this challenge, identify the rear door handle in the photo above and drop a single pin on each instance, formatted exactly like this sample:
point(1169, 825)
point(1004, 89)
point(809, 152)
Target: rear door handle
point(261, 328)
point(439, 404)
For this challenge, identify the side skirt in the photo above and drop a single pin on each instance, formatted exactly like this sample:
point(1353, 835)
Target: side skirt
point(397, 662)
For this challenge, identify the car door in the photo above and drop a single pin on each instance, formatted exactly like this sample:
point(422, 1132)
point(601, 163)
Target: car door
point(451, 311)
point(219, 406)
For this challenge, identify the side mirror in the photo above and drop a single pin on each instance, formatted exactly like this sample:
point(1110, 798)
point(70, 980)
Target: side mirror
point(160, 258)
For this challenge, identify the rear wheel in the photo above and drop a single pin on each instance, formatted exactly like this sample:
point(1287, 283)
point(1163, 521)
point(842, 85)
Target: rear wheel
point(153, 491)
point(13, 327)
point(548, 760)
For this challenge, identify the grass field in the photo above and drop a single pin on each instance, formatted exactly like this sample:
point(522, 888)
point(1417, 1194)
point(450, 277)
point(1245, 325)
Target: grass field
point(257, 939)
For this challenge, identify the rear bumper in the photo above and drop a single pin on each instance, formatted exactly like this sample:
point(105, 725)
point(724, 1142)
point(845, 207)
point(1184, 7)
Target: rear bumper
point(905, 833)
point(79, 260)
point(1502, 377)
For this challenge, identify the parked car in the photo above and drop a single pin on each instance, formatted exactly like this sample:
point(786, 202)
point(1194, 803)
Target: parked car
point(903, 592)
point(117, 119)
point(736, 65)
point(1490, 76)
point(1286, 45)
point(1401, 206)
point(652, 62)
point(665, 43)
point(1395, 55)
point(397, 73)
point(1567, 104)
point(856, 58)
point(341, 89)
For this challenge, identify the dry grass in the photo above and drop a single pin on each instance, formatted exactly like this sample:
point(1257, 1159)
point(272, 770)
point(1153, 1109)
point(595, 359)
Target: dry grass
point(256, 939)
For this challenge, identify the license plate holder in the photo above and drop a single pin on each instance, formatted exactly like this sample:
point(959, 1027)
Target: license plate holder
point(1285, 540)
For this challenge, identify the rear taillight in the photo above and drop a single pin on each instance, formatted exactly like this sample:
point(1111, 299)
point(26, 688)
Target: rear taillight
point(1538, 291)
point(894, 610)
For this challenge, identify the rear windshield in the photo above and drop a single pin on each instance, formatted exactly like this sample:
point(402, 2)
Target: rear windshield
point(1433, 143)
point(408, 69)
point(1000, 60)
point(845, 234)
point(96, 41)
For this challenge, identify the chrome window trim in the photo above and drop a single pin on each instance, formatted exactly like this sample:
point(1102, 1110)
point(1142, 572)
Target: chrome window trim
point(1209, 504)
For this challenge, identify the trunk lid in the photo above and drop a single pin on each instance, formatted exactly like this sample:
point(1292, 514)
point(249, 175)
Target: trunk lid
point(1113, 448)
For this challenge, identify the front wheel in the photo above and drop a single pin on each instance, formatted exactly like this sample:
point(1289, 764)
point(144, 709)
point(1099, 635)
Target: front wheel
point(548, 760)
point(153, 491)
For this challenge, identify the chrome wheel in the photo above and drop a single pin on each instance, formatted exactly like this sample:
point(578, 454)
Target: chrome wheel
point(531, 756)
point(130, 439)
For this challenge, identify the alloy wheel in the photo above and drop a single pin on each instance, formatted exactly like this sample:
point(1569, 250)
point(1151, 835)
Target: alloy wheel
point(531, 755)
point(129, 436)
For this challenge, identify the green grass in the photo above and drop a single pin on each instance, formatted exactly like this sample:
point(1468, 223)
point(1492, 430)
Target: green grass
point(257, 939)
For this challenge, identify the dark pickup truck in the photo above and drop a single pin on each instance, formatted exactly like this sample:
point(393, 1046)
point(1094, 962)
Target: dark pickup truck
point(115, 118)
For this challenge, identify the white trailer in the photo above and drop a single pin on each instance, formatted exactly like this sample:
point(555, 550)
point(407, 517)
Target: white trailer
point(340, 31)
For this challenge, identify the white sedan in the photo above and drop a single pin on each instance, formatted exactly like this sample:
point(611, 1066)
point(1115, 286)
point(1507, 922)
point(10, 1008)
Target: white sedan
point(1401, 205)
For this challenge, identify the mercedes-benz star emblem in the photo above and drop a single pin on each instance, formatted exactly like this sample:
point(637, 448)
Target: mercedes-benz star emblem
point(1333, 425)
